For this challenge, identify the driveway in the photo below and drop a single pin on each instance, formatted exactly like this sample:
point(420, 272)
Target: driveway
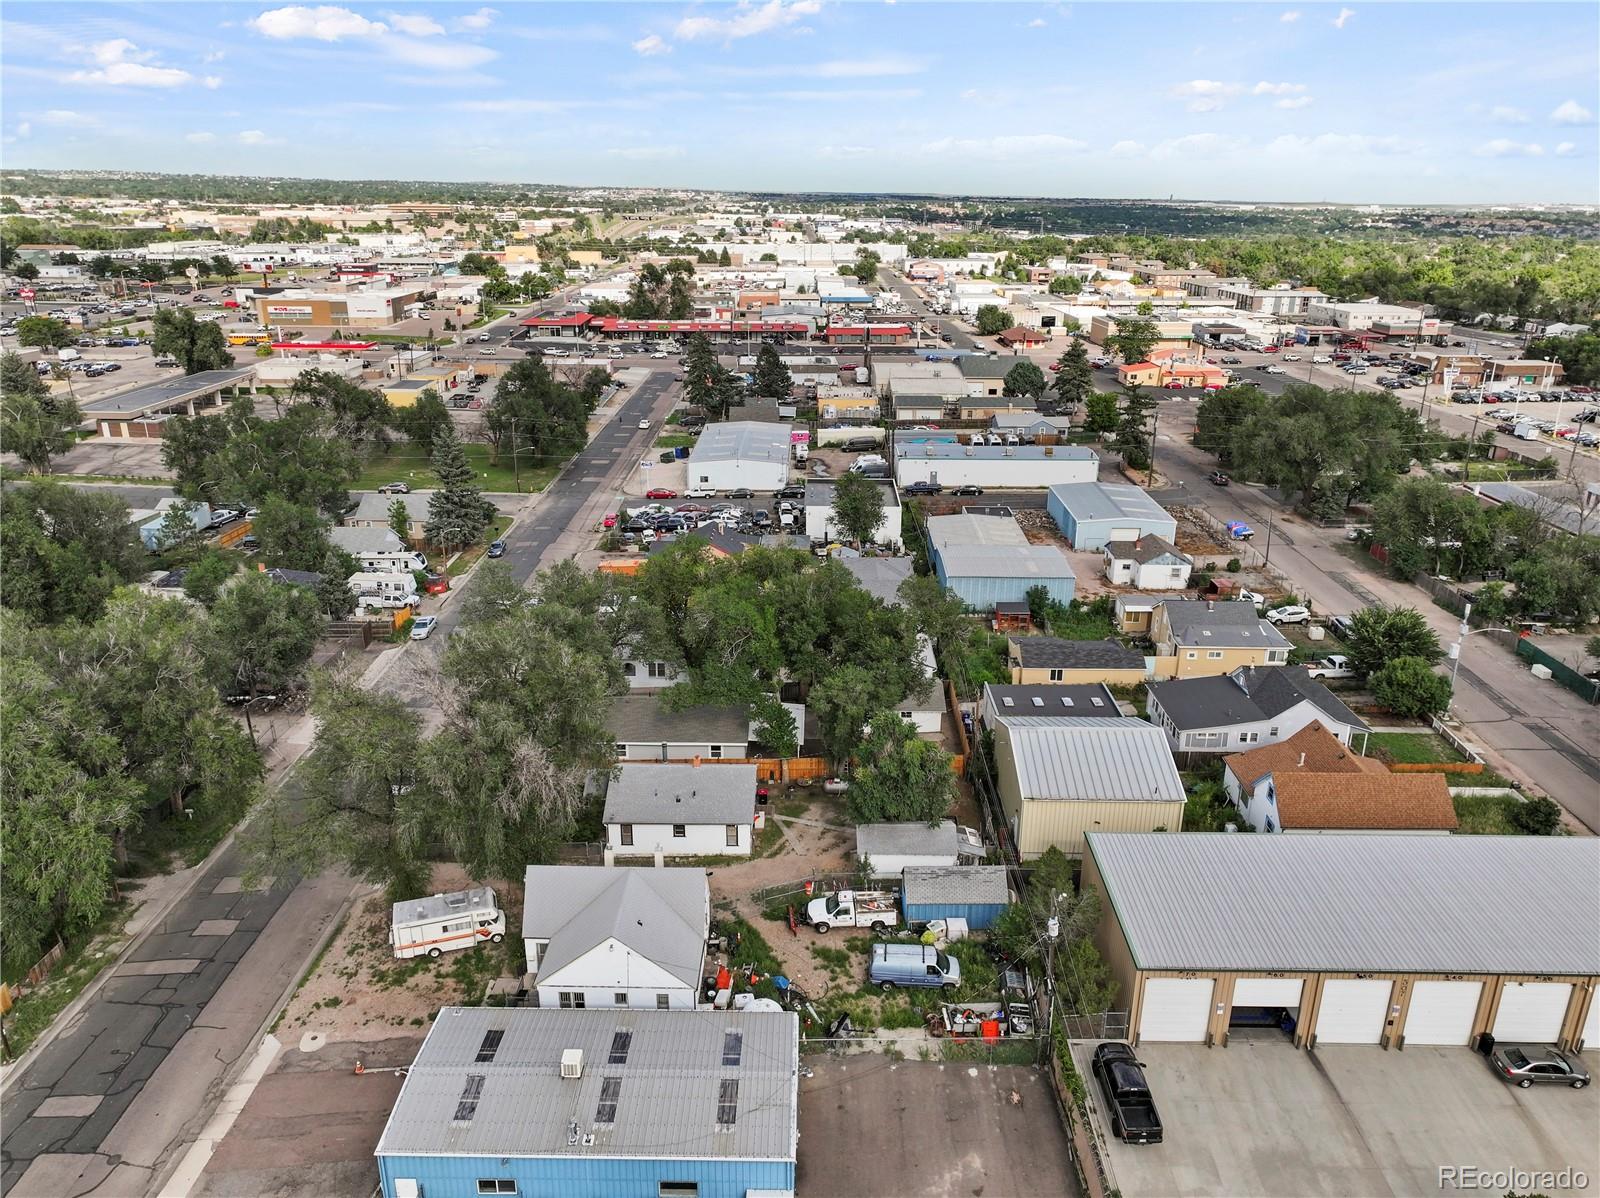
point(874, 1127)
point(1264, 1118)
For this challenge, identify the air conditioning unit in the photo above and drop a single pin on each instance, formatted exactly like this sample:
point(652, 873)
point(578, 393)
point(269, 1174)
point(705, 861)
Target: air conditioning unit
point(571, 1062)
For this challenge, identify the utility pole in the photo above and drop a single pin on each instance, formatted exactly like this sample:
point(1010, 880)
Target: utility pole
point(1466, 453)
point(1052, 934)
point(516, 457)
point(1266, 560)
point(1155, 418)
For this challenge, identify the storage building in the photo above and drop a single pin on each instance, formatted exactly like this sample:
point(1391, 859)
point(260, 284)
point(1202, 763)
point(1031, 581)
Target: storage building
point(821, 526)
point(951, 464)
point(986, 560)
point(1089, 514)
point(596, 1104)
point(741, 453)
point(975, 893)
point(1381, 938)
point(890, 849)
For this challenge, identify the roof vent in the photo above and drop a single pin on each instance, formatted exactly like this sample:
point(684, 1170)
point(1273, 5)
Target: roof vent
point(1049, 451)
point(571, 1062)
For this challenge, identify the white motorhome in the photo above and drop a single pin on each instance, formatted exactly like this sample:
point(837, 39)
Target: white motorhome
point(384, 590)
point(391, 561)
point(442, 922)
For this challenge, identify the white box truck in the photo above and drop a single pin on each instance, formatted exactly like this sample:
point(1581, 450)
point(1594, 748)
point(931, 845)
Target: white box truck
point(430, 927)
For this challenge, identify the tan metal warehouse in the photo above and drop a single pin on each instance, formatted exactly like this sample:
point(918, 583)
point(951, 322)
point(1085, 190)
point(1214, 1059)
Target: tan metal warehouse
point(1359, 938)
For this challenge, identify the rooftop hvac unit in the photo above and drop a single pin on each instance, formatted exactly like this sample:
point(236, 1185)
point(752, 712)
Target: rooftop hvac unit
point(571, 1062)
point(928, 450)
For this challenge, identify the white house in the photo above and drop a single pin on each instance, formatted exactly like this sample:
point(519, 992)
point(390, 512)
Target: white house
point(597, 936)
point(953, 465)
point(643, 674)
point(821, 526)
point(889, 848)
point(681, 810)
point(647, 731)
point(1150, 563)
point(741, 453)
point(1252, 706)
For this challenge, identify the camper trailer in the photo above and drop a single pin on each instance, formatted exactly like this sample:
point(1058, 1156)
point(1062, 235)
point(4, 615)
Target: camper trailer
point(435, 925)
point(391, 561)
point(384, 590)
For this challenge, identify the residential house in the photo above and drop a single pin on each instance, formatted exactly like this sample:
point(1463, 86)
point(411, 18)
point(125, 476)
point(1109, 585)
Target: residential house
point(1249, 707)
point(644, 674)
point(1063, 699)
point(600, 936)
point(681, 810)
point(1091, 513)
point(1132, 613)
point(1018, 335)
point(1199, 637)
point(881, 577)
point(1040, 660)
point(1059, 778)
point(1043, 430)
point(646, 731)
point(987, 406)
point(1151, 562)
point(887, 850)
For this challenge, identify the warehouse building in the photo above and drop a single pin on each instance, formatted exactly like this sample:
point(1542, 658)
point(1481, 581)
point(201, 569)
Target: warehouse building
point(337, 309)
point(821, 526)
point(741, 453)
point(986, 560)
point(1383, 938)
point(1091, 514)
point(951, 464)
point(596, 1103)
point(142, 412)
point(975, 893)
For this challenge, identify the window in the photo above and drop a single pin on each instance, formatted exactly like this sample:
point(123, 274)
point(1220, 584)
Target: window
point(662, 1002)
point(490, 1045)
point(732, 1047)
point(728, 1102)
point(733, 836)
point(1272, 733)
point(573, 999)
point(622, 750)
point(1213, 654)
point(467, 1106)
point(1249, 738)
point(1190, 655)
point(1277, 657)
point(716, 752)
point(497, 1185)
point(610, 1091)
point(1057, 675)
point(658, 669)
point(679, 831)
point(1096, 700)
point(1066, 701)
point(620, 1043)
point(1006, 702)
point(678, 1189)
point(627, 672)
point(905, 715)
point(619, 998)
point(626, 832)
point(1271, 827)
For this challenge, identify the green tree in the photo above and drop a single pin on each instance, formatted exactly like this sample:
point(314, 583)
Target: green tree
point(1145, 308)
point(458, 514)
point(190, 448)
point(197, 344)
point(1561, 578)
point(772, 376)
point(222, 266)
point(293, 537)
point(26, 271)
point(45, 332)
point(1536, 816)
point(1082, 981)
point(1024, 378)
point(333, 593)
point(1134, 339)
point(355, 414)
point(857, 507)
point(204, 577)
point(534, 413)
point(292, 458)
point(899, 777)
point(1579, 354)
point(1102, 414)
point(1408, 687)
point(34, 425)
point(1425, 525)
point(420, 423)
point(1135, 429)
point(400, 521)
point(1381, 633)
point(991, 320)
point(867, 261)
point(844, 701)
point(723, 259)
point(1066, 285)
point(1074, 381)
point(1219, 417)
point(65, 551)
point(265, 634)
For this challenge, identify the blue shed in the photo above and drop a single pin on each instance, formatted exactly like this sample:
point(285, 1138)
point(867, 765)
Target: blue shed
point(1090, 514)
point(596, 1103)
point(976, 893)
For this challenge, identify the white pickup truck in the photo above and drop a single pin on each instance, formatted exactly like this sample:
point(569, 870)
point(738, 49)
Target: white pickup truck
point(1335, 665)
point(875, 909)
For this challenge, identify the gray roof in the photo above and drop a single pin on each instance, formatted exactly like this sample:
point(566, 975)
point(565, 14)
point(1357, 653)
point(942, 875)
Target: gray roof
point(741, 440)
point(880, 576)
point(1145, 550)
point(1063, 700)
point(899, 840)
point(152, 396)
point(644, 719)
point(819, 492)
point(917, 400)
point(1553, 505)
point(1224, 624)
point(982, 366)
point(1131, 601)
point(661, 914)
point(366, 540)
point(372, 507)
point(965, 528)
point(666, 1110)
point(1109, 501)
point(1021, 403)
point(1000, 561)
point(1042, 652)
point(1019, 421)
point(1249, 695)
point(664, 793)
point(955, 884)
point(1092, 759)
point(950, 450)
point(1308, 902)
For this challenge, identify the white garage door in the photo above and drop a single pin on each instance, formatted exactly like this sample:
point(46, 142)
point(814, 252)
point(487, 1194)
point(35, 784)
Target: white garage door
point(1531, 1012)
point(1441, 1012)
point(1591, 1025)
point(1124, 534)
point(1352, 1011)
point(1267, 992)
point(1175, 1009)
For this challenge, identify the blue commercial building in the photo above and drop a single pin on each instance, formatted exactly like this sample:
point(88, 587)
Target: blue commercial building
point(987, 560)
point(975, 893)
point(1089, 514)
point(596, 1103)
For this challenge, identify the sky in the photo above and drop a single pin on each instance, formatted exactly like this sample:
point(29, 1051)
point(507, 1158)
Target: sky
point(1357, 102)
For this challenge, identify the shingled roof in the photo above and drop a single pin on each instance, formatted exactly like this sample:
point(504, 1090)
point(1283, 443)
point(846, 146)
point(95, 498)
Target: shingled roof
point(1312, 750)
point(1374, 801)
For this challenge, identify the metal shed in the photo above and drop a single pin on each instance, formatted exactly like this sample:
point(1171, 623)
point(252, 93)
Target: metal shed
point(1090, 513)
point(976, 893)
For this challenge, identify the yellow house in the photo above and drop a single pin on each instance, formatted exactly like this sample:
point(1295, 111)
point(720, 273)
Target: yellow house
point(520, 254)
point(1042, 660)
point(1062, 776)
point(403, 393)
point(1197, 638)
point(848, 403)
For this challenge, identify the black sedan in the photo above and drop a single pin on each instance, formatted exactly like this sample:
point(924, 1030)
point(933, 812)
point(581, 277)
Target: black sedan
point(741, 493)
point(969, 489)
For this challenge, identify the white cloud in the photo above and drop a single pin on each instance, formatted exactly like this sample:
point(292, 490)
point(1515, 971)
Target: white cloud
point(212, 81)
point(1007, 147)
point(66, 118)
point(646, 153)
point(855, 95)
point(414, 24)
point(326, 23)
point(1128, 149)
point(199, 138)
point(1507, 115)
point(1037, 23)
point(439, 56)
point(1340, 21)
point(1504, 147)
point(255, 137)
point(867, 68)
point(1572, 113)
point(545, 106)
point(1294, 102)
point(1290, 17)
point(847, 152)
point(120, 63)
point(481, 19)
point(1277, 89)
point(652, 45)
point(1341, 144)
point(1204, 104)
point(215, 56)
point(24, 129)
point(748, 20)
point(1566, 150)
point(1206, 95)
point(118, 50)
point(1207, 144)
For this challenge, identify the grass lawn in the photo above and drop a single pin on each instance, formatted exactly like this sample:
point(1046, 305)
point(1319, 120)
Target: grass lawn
point(984, 661)
point(674, 441)
point(1414, 748)
point(407, 463)
point(1486, 815)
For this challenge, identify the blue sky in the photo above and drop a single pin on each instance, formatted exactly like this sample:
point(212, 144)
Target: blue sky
point(1377, 102)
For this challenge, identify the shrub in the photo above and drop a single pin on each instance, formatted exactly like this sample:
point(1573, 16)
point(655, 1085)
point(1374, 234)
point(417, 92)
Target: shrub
point(1233, 565)
point(1536, 817)
point(1407, 686)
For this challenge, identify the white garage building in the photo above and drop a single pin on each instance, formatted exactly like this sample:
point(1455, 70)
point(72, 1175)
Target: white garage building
point(955, 465)
point(741, 453)
point(1387, 939)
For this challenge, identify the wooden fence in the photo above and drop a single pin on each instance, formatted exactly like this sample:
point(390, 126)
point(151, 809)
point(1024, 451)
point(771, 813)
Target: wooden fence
point(1435, 767)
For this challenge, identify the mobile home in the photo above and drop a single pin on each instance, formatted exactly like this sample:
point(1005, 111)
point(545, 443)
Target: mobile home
point(442, 922)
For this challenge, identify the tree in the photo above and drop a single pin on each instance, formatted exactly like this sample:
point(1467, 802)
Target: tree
point(1560, 578)
point(292, 457)
point(222, 266)
point(1102, 414)
point(355, 414)
point(1024, 378)
point(1381, 633)
point(1407, 686)
point(1135, 434)
point(723, 259)
point(190, 446)
point(1579, 354)
point(899, 777)
point(34, 425)
point(203, 578)
point(65, 551)
point(400, 521)
point(197, 344)
point(1066, 285)
point(1134, 338)
point(265, 634)
point(421, 422)
point(292, 536)
point(334, 596)
point(1424, 524)
point(1536, 816)
point(844, 701)
point(772, 376)
point(25, 270)
point(480, 264)
point(857, 507)
point(1219, 417)
point(1074, 381)
point(866, 265)
point(1145, 308)
point(457, 513)
point(1081, 981)
point(101, 266)
point(991, 320)
point(45, 332)
point(533, 412)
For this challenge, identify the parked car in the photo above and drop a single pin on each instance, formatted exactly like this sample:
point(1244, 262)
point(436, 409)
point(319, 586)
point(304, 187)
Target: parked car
point(741, 493)
point(436, 584)
point(922, 488)
point(1218, 479)
point(498, 548)
point(224, 515)
point(895, 965)
point(1524, 1064)
point(1238, 530)
point(644, 423)
point(701, 493)
point(1291, 614)
point(422, 627)
point(395, 489)
point(660, 493)
point(1291, 357)
point(968, 489)
point(1341, 627)
point(1130, 1108)
point(1335, 665)
point(1254, 598)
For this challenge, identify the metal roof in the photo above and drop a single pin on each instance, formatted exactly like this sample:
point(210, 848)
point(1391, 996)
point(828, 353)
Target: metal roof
point(965, 528)
point(1552, 504)
point(666, 1105)
point(681, 794)
point(942, 450)
point(366, 540)
point(155, 396)
point(661, 914)
point(1367, 901)
point(1107, 759)
point(954, 884)
point(741, 440)
point(1000, 561)
point(1109, 501)
point(899, 840)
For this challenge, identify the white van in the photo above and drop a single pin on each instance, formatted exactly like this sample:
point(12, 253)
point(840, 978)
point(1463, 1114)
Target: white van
point(430, 927)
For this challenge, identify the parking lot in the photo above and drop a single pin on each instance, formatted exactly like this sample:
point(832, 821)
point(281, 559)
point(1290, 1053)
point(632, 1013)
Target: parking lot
point(1261, 1117)
point(875, 1127)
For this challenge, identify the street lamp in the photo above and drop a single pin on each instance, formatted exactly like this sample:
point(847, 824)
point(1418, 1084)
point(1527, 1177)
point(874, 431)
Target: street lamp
point(1462, 634)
